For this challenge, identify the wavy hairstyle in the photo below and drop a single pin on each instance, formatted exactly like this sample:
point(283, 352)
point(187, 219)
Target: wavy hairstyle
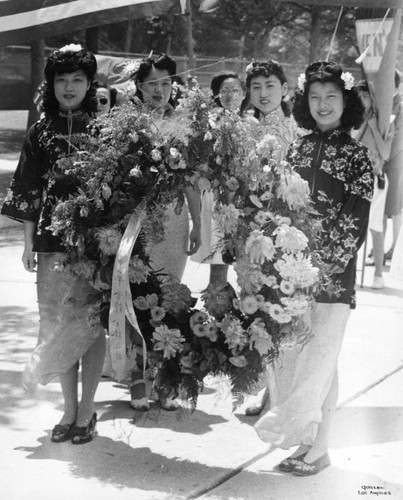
point(162, 62)
point(267, 68)
point(60, 62)
point(327, 72)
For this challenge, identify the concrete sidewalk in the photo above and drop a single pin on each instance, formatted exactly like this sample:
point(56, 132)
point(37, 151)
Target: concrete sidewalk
point(213, 453)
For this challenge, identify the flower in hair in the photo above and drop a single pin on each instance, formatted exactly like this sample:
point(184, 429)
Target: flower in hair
point(301, 81)
point(348, 80)
point(72, 47)
point(250, 66)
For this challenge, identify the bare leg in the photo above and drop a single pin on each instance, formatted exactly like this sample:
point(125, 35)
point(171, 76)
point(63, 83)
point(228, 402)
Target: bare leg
point(92, 364)
point(321, 444)
point(378, 251)
point(397, 224)
point(69, 382)
point(218, 274)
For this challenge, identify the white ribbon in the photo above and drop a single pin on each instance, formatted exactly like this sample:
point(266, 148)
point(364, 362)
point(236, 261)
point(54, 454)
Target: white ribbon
point(121, 298)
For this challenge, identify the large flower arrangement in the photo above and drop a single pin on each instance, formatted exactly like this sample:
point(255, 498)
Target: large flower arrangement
point(262, 207)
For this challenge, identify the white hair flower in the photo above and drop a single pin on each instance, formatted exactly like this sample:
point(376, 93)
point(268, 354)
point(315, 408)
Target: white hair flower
point(249, 67)
point(348, 80)
point(72, 47)
point(301, 81)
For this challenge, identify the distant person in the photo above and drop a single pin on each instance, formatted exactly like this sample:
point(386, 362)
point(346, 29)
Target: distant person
point(370, 135)
point(228, 92)
point(66, 336)
point(106, 97)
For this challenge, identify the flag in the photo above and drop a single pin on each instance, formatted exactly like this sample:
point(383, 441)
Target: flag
point(22, 21)
point(378, 43)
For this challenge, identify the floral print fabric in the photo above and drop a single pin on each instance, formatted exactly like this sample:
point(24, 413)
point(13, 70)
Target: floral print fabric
point(339, 173)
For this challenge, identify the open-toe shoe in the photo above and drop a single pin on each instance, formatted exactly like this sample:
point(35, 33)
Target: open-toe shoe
point(84, 434)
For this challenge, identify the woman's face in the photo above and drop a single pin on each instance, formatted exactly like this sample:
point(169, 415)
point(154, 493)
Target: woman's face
point(156, 88)
point(104, 101)
point(231, 94)
point(266, 93)
point(326, 104)
point(71, 89)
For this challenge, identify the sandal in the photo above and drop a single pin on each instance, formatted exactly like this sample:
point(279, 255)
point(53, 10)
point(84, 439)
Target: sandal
point(84, 434)
point(61, 432)
point(289, 463)
point(139, 404)
point(302, 468)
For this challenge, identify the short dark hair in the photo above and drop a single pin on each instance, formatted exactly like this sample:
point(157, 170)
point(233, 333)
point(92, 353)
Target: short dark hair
point(327, 72)
point(267, 68)
point(218, 80)
point(67, 61)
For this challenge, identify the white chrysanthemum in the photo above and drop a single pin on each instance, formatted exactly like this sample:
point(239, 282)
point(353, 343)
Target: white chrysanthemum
point(287, 287)
point(138, 271)
point(290, 239)
point(295, 306)
point(259, 247)
point(279, 314)
point(235, 335)
point(249, 276)
point(298, 269)
point(109, 239)
point(249, 305)
point(167, 340)
point(227, 219)
point(293, 190)
point(259, 337)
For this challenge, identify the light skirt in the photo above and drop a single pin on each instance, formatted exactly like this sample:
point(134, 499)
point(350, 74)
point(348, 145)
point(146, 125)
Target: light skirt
point(300, 380)
point(68, 324)
point(170, 255)
point(210, 248)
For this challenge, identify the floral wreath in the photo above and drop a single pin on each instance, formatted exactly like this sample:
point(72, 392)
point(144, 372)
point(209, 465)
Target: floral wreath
point(127, 173)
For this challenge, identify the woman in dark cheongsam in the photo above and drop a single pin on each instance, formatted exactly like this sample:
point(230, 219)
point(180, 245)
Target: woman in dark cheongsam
point(68, 332)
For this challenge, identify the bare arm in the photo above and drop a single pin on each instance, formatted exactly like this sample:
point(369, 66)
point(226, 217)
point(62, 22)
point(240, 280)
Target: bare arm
point(28, 256)
point(193, 200)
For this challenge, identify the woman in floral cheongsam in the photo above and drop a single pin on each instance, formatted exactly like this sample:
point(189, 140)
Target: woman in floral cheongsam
point(339, 173)
point(69, 331)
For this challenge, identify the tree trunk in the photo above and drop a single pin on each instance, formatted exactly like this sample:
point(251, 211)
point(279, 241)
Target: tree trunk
point(315, 38)
point(129, 36)
point(37, 69)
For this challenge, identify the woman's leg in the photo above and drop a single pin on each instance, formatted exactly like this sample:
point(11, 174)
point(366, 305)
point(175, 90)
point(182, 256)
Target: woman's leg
point(321, 444)
point(378, 251)
point(69, 382)
point(91, 370)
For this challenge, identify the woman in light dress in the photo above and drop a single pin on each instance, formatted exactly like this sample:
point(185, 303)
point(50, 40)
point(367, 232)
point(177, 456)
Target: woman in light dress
point(269, 101)
point(153, 80)
point(228, 93)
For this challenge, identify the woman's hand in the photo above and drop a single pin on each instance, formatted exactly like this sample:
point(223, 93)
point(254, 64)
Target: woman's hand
point(194, 240)
point(28, 259)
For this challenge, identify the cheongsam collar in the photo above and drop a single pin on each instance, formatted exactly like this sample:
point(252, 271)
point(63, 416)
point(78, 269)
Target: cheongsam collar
point(70, 113)
point(274, 116)
point(329, 134)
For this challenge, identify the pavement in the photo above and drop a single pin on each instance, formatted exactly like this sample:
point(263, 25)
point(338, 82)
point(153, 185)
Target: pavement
point(213, 453)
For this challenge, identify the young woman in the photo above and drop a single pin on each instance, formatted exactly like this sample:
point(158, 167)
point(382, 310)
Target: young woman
point(66, 333)
point(267, 87)
point(340, 176)
point(153, 80)
point(228, 93)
